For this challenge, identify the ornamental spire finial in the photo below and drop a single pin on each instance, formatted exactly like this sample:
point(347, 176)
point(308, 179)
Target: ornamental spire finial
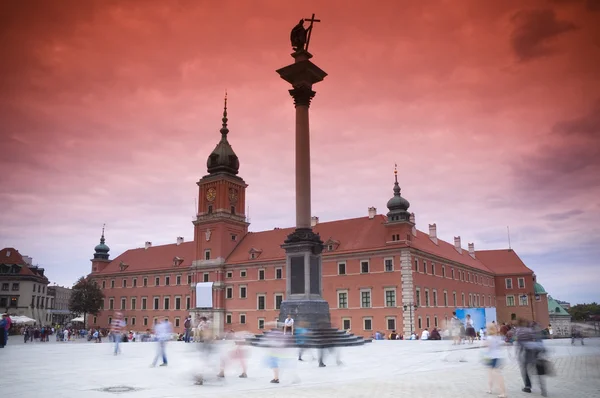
point(224, 129)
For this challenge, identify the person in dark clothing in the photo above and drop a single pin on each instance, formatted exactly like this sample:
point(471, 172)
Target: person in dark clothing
point(530, 347)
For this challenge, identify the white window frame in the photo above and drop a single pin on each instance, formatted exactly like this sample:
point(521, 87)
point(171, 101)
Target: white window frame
point(228, 317)
point(349, 321)
point(385, 265)
point(506, 280)
point(132, 305)
point(206, 255)
point(370, 298)
point(164, 301)
point(245, 319)
point(390, 318)
point(205, 277)
point(419, 324)
point(264, 274)
point(228, 289)
point(390, 289)
point(280, 269)
point(345, 267)
point(243, 273)
point(524, 303)
point(258, 321)
point(264, 296)
point(368, 266)
point(367, 318)
point(435, 298)
point(342, 291)
point(154, 303)
point(428, 322)
point(275, 295)
point(177, 280)
point(240, 291)
point(418, 296)
point(229, 274)
point(144, 301)
point(519, 283)
point(427, 298)
point(513, 300)
point(175, 303)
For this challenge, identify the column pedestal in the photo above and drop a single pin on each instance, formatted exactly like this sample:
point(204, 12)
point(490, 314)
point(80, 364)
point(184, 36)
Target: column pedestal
point(304, 300)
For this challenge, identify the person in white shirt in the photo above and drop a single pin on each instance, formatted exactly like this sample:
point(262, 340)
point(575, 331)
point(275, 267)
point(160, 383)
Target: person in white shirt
point(288, 325)
point(425, 335)
point(494, 355)
point(162, 331)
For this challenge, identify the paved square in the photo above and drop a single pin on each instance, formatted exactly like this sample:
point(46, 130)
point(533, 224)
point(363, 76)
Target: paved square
point(380, 369)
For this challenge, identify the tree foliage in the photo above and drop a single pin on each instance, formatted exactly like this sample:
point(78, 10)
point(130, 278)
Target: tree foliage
point(86, 298)
point(582, 312)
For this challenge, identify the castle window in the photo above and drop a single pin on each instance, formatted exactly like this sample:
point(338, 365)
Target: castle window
point(233, 237)
point(207, 254)
point(210, 209)
point(233, 210)
point(329, 247)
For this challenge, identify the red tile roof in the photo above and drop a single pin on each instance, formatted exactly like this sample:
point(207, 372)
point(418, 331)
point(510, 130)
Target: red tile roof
point(503, 262)
point(448, 251)
point(14, 257)
point(153, 258)
point(354, 234)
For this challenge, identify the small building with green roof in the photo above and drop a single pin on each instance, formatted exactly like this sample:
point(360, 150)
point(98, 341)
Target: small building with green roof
point(560, 319)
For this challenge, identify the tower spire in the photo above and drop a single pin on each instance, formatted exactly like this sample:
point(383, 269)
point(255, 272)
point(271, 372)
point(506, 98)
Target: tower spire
point(224, 129)
point(223, 158)
point(396, 185)
point(102, 240)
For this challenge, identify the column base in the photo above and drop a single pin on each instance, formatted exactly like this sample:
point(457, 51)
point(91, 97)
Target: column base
point(309, 314)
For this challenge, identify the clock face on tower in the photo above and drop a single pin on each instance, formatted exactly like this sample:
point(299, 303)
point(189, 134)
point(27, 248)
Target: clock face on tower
point(211, 194)
point(233, 194)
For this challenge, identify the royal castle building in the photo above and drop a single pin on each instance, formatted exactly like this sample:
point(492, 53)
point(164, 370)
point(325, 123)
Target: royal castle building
point(380, 272)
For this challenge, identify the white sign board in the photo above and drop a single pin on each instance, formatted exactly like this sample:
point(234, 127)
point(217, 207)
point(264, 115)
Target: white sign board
point(204, 295)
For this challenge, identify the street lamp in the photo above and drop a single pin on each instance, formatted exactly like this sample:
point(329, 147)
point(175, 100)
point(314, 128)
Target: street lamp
point(411, 307)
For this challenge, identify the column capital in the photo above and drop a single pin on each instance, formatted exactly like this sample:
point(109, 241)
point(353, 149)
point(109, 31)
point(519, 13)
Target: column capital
point(302, 95)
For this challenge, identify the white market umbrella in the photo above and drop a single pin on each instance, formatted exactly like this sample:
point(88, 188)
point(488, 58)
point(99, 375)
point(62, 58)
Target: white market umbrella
point(22, 320)
point(78, 319)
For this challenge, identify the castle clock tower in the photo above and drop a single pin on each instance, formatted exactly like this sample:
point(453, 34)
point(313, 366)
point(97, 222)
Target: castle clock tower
point(220, 222)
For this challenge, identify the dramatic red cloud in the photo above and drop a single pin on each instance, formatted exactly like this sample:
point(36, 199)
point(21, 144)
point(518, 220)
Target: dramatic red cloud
point(109, 109)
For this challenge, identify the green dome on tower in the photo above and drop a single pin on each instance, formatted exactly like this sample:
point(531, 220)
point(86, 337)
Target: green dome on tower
point(539, 289)
point(101, 250)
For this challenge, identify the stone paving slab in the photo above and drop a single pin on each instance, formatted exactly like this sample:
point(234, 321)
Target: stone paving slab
point(381, 369)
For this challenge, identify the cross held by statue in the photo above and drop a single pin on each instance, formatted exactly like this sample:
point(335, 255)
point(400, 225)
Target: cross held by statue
point(309, 30)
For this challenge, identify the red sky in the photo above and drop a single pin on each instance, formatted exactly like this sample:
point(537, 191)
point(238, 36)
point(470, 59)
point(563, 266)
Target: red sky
point(109, 109)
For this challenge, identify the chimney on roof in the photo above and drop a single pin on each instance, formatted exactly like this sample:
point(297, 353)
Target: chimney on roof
point(148, 245)
point(433, 233)
point(314, 221)
point(179, 240)
point(472, 250)
point(457, 244)
point(372, 212)
point(414, 224)
point(28, 260)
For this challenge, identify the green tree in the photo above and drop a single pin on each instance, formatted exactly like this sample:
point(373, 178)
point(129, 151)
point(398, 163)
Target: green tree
point(86, 298)
point(582, 312)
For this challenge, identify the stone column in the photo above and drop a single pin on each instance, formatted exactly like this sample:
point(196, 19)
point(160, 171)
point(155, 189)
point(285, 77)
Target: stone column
point(303, 247)
point(302, 96)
